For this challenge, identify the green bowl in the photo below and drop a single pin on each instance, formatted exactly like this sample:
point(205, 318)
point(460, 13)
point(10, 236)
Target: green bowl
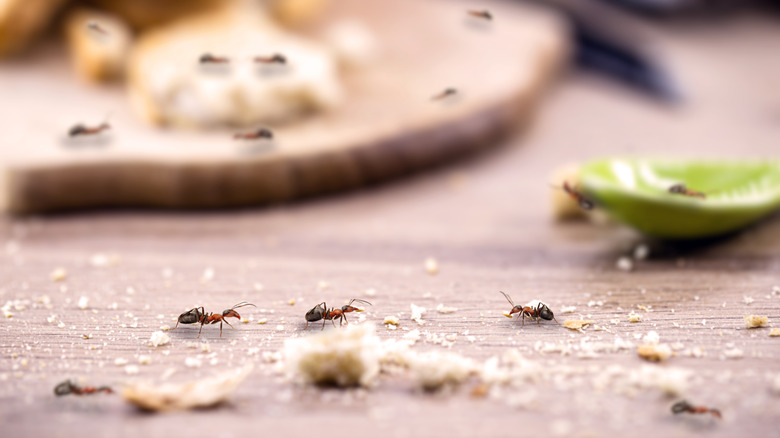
point(636, 192)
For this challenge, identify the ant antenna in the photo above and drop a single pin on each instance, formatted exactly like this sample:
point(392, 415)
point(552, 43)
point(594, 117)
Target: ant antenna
point(242, 304)
point(508, 299)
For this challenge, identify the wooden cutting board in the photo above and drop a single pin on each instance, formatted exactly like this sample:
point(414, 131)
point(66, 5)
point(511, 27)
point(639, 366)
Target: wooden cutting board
point(388, 126)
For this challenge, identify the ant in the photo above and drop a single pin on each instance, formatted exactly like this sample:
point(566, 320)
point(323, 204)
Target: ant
point(208, 58)
point(585, 203)
point(321, 312)
point(481, 14)
point(446, 93)
point(68, 387)
point(93, 25)
point(276, 58)
point(684, 406)
point(534, 309)
point(682, 189)
point(199, 315)
point(81, 129)
point(260, 133)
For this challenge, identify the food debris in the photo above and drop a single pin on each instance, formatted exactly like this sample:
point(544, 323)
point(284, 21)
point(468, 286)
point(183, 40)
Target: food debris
point(391, 320)
point(202, 393)
point(634, 317)
point(59, 274)
point(747, 300)
point(441, 308)
point(291, 302)
point(576, 324)
point(774, 332)
point(434, 370)
point(348, 357)
point(87, 336)
point(101, 260)
point(507, 314)
point(83, 303)
point(262, 321)
point(131, 369)
point(119, 361)
point(144, 359)
point(159, 338)
point(566, 309)
point(754, 321)
point(641, 251)
point(625, 264)
point(654, 352)
point(417, 314)
point(734, 353)
point(208, 275)
point(192, 362)
point(431, 266)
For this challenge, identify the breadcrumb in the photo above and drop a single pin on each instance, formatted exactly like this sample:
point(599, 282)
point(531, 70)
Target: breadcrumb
point(754, 321)
point(83, 303)
point(59, 274)
point(576, 324)
point(434, 370)
point(391, 320)
point(159, 338)
point(654, 352)
point(625, 264)
point(431, 266)
point(417, 314)
point(441, 308)
point(634, 317)
point(774, 332)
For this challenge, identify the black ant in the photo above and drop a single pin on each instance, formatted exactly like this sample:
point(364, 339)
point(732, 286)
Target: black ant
point(684, 406)
point(584, 203)
point(81, 129)
point(198, 315)
point(535, 309)
point(321, 312)
point(93, 25)
point(260, 133)
point(208, 58)
point(68, 387)
point(276, 58)
point(682, 189)
point(444, 94)
point(481, 14)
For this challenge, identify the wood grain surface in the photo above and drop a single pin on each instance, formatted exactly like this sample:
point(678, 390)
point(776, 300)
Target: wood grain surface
point(388, 126)
point(487, 224)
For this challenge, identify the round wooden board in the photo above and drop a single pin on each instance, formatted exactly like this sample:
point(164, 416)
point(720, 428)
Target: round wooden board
point(388, 126)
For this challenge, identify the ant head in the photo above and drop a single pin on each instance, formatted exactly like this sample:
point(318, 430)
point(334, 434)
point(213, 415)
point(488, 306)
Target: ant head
point(516, 309)
point(230, 313)
point(545, 313)
point(677, 188)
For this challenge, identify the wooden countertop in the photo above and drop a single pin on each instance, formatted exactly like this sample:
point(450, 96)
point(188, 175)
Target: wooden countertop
point(487, 223)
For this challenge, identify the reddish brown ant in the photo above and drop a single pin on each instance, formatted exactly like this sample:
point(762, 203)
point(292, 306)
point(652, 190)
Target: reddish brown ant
point(481, 14)
point(684, 406)
point(68, 387)
point(276, 58)
point(81, 129)
point(254, 135)
point(584, 203)
point(321, 312)
point(444, 94)
point(208, 58)
point(93, 25)
point(682, 189)
point(198, 315)
point(535, 309)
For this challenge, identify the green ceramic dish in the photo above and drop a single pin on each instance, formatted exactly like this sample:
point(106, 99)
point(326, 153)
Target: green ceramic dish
point(636, 192)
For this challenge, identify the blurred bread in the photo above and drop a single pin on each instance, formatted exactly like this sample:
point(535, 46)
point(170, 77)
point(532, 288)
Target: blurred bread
point(296, 13)
point(564, 207)
point(168, 84)
point(99, 44)
point(22, 20)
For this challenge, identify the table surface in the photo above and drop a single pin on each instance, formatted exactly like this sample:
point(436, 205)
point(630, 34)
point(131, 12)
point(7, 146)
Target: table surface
point(487, 222)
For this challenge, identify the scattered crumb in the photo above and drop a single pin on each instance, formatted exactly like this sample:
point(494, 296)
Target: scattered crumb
point(576, 324)
point(262, 321)
point(322, 284)
point(272, 356)
point(178, 396)
point(634, 317)
point(431, 266)
point(370, 292)
point(59, 274)
point(208, 275)
point(391, 320)
point(775, 290)
point(441, 308)
point(417, 314)
point(101, 260)
point(625, 264)
point(87, 336)
point(144, 359)
point(654, 352)
point(291, 302)
point(244, 320)
point(120, 361)
point(131, 369)
point(83, 303)
point(747, 300)
point(507, 314)
point(774, 332)
point(433, 370)
point(348, 357)
point(192, 362)
point(567, 309)
point(652, 337)
point(158, 339)
point(734, 353)
point(641, 251)
point(754, 321)
point(279, 328)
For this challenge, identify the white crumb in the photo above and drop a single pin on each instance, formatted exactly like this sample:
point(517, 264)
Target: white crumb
point(734, 353)
point(568, 309)
point(370, 292)
point(279, 328)
point(634, 317)
point(417, 314)
point(159, 338)
point(441, 308)
point(641, 252)
point(412, 336)
point(262, 321)
point(433, 370)
point(208, 275)
point(654, 352)
point(624, 264)
point(755, 321)
point(272, 356)
point(59, 274)
point(83, 303)
point(651, 337)
point(747, 300)
point(144, 359)
point(391, 320)
point(131, 369)
point(87, 336)
point(101, 260)
point(431, 266)
point(192, 362)
point(119, 361)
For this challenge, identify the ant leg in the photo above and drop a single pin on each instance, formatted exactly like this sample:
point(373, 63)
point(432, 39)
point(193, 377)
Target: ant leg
point(523, 314)
point(323, 324)
point(174, 327)
point(307, 325)
point(201, 329)
point(345, 319)
point(333, 322)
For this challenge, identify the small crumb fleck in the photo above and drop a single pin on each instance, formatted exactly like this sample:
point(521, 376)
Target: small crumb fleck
point(654, 352)
point(370, 292)
point(262, 320)
point(279, 328)
point(734, 353)
point(208, 275)
point(431, 266)
point(192, 362)
point(417, 314)
point(755, 321)
point(641, 251)
point(624, 264)
point(568, 309)
point(59, 274)
point(322, 284)
point(774, 332)
point(391, 320)
point(441, 308)
point(747, 300)
point(159, 338)
point(87, 336)
point(119, 361)
point(144, 359)
point(291, 302)
point(83, 303)
point(576, 324)
point(244, 320)
point(634, 317)
point(131, 369)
